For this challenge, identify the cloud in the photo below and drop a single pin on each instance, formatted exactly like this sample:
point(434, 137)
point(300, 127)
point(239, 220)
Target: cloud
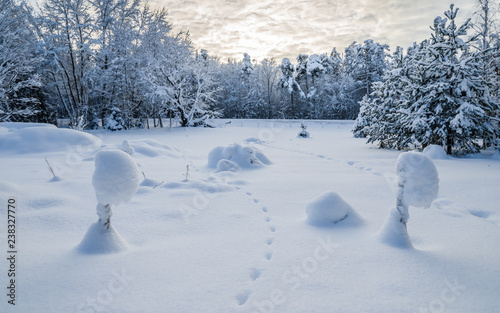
point(285, 28)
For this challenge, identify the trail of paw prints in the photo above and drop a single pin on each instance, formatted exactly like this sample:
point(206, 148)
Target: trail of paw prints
point(321, 156)
point(255, 272)
point(354, 164)
point(364, 168)
point(453, 209)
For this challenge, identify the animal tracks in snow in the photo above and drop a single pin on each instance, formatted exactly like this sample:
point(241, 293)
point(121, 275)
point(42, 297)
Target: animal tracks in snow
point(354, 164)
point(451, 208)
point(267, 251)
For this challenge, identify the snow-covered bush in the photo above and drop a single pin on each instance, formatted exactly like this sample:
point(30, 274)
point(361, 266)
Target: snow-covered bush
point(241, 155)
point(329, 208)
point(303, 133)
point(418, 185)
point(116, 179)
point(115, 120)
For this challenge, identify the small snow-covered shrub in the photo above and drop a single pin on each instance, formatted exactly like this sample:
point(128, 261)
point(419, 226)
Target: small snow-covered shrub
point(329, 209)
point(116, 179)
point(304, 133)
point(435, 152)
point(115, 120)
point(126, 147)
point(418, 185)
point(243, 156)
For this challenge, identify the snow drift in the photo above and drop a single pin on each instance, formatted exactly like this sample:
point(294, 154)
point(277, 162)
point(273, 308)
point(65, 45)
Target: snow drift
point(435, 152)
point(240, 156)
point(149, 147)
point(328, 209)
point(22, 138)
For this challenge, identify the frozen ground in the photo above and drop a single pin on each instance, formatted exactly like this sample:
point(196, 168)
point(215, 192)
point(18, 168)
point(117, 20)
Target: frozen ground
point(239, 240)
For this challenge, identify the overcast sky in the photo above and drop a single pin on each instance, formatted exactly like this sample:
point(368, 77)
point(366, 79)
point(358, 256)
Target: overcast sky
point(285, 28)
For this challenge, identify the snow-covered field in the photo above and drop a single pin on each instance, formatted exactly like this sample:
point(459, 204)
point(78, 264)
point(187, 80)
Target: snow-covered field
point(235, 236)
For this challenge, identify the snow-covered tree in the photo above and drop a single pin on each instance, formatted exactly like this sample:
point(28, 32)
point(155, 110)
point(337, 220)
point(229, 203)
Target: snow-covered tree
point(418, 185)
point(268, 72)
point(247, 69)
point(380, 117)
point(289, 84)
point(114, 121)
point(451, 101)
point(433, 95)
point(184, 82)
point(20, 83)
point(116, 179)
point(66, 30)
point(366, 63)
point(117, 76)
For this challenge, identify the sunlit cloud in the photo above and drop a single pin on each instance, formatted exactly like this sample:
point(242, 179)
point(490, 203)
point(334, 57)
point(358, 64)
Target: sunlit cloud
point(279, 28)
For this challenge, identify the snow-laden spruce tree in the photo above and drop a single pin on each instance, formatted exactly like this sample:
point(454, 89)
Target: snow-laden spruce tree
point(380, 114)
point(289, 84)
point(114, 121)
point(418, 185)
point(450, 99)
point(116, 179)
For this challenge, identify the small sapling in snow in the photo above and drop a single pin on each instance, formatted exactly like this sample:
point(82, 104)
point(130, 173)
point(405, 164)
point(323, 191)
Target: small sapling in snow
point(304, 133)
point(116, 179)
point(51, 169)
point(418, 185)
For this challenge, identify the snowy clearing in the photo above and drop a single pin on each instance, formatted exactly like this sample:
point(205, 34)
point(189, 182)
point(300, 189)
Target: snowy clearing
point(203, 237)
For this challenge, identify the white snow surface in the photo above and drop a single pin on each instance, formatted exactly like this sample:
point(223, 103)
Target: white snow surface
point(116, 177)
point(435, 152)
point(236, 242)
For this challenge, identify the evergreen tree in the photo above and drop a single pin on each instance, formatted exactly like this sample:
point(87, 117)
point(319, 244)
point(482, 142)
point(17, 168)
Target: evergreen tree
point(288, 83)
point(450, 106)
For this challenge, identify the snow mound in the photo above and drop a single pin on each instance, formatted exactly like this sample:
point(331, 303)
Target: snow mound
point(419, 176)
point(127, 148)
point(255, 140)
point(116, 177)
point(243, 156)
point(150, 148)
point(435, 152)
point(227, 166)
point(23, 138)
point(13, 126)
point(393, 232)
point(101, 240)
point(329, 208)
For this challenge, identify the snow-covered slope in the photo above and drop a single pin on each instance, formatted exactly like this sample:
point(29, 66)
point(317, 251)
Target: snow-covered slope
point(203, 240)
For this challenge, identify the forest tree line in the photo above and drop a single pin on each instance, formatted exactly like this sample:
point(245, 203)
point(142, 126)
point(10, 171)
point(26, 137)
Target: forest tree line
point(119, 63)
